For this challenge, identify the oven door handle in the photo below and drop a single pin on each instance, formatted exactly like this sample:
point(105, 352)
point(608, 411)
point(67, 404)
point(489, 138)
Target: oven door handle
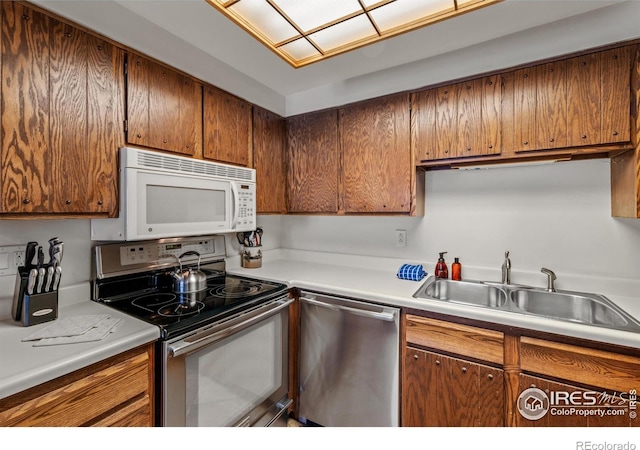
point(192, 344)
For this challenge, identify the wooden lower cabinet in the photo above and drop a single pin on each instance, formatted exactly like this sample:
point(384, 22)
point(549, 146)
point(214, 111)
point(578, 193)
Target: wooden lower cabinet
point(115, 392)
point(461, 375)
point(449, 392)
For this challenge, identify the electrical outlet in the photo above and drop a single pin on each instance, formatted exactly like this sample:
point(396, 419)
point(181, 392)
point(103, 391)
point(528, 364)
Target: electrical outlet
point(401, 238)
point(11, 257)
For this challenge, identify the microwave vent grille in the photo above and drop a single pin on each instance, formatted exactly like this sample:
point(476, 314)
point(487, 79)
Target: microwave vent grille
point(193, 167)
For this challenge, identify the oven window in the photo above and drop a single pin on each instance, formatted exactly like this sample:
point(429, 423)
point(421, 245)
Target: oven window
point(168, 204)
point(227, 380)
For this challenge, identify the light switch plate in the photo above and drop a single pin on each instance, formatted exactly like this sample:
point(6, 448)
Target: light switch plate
point(11, 257)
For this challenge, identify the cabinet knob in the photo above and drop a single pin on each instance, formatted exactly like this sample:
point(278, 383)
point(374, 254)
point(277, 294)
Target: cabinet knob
point(25, 17)
point(490, 83)
point(415, 356)
point(464, 370)
point(26, 201)
point(551, 139)
point(437, 362)
point(68, 34)
point(187, 146)
point(490, 376)
point(526, 75)
point(138, 135)
point(615, 56)
point(100, 47)
point(67, 202)
point(164, 141)
point(584, 136)
point(446, 151)
point(615, 133)
point(469, 149)
point(100, 202)
point(164, 74)
point(468, 86)
point(490, 146)
point(138, 63)
point(525, 143)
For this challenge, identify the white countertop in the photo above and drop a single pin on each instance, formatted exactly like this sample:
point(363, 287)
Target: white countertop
point(24, 366)
point(374, 279)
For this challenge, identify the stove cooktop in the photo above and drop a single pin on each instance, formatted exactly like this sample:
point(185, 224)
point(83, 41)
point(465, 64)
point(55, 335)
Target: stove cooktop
point(177, 314)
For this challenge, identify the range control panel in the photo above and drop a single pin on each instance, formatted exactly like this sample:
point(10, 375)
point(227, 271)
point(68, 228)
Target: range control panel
point(149, 252)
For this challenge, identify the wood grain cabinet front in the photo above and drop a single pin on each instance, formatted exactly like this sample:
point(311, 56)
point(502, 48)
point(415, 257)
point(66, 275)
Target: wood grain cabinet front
point(115, 392)
point(269, 161)
point(164, 107)
point(62, 110)
point(227, 127)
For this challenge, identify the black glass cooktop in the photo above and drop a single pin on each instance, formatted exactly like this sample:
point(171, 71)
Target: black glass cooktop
point(176, 314)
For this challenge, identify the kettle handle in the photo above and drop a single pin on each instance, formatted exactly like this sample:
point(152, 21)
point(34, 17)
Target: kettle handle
point(190, 252)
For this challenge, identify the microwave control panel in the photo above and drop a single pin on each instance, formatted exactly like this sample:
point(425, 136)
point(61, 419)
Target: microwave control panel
point(246, 206)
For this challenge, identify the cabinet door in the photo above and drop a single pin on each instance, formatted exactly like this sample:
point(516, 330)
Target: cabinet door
point(227, 127)
point(423, 125)
point(524, 109)
point(440, 391)
point(468, 142)
point(164, 108)
point(377, 162)
point(313, 162)
point(615, 85)
point(268, 160)
point(25, 156)
point(85, 121)
point(447, 122)
point(584, 100)
point(551, 105)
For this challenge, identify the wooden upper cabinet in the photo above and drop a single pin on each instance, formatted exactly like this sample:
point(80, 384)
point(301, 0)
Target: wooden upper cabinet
point(26, 154)
point(268, 160)
point(313, 161)
point(378, 168)
point(62, 112)
point(164, 107)
point(551, 105)
point(459, 120)
point(227, 127)
point(616, 87)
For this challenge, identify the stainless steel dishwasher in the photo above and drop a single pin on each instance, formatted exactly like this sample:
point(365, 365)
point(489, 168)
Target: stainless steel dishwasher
point(349, 362)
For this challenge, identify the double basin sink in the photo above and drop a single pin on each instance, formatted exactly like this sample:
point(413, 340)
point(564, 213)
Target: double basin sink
point(577, 307)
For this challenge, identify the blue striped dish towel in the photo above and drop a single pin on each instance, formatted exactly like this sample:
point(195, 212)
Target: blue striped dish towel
point(413, 272)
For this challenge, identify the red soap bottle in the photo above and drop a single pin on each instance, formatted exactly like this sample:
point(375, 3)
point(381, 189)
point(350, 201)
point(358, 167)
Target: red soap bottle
point(456, 270)
point(442, 271)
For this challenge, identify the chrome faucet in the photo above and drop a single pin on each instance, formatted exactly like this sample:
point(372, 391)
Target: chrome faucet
point(551, 278)
point(506, 269)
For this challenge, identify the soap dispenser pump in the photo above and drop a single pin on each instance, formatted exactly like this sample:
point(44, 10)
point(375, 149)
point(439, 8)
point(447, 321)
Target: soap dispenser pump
point(442, 271)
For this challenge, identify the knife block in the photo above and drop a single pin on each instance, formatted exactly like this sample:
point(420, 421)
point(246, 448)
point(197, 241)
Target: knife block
point(35, 308)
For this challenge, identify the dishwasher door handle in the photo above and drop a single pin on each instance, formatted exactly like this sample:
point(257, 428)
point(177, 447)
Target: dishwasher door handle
point(386, 316)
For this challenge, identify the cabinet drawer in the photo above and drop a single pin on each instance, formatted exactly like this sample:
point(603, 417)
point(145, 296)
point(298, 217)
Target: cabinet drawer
point(478, 343)
point(580, 365)
point(114, 393)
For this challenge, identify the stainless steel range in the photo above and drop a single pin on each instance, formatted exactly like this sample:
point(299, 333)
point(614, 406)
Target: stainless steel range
point(223, 354)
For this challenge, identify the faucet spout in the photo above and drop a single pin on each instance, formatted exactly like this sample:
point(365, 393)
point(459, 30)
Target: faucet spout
point(506, 269)
point(551, 278)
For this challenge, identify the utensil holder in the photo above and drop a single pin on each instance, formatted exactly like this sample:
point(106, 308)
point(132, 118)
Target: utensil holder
point(252, 257)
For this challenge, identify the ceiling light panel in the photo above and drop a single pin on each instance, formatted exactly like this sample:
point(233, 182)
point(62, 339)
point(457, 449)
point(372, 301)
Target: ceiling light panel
point(264, 19)
point(299, 50)
point(306, 31)
point(344, 33)
point(402, 12)
point(312, 14)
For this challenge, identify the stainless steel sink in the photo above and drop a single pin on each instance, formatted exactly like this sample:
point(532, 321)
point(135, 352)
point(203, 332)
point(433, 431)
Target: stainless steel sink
point(580, 307)
point(577, 307)
point(470, 293)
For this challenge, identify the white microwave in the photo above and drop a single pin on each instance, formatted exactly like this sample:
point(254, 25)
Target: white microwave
point(167, 196)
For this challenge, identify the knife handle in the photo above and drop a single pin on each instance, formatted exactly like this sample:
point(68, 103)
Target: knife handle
point(49, 283)
point(41, 274)
point(31, 283)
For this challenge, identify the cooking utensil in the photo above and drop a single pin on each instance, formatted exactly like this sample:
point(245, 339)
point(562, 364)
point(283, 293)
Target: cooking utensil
point(41, 270)
point(240, 235)
point(56, 277)
point(188, 280)
point(29, 254)
point(49, 283)
point(31, 283)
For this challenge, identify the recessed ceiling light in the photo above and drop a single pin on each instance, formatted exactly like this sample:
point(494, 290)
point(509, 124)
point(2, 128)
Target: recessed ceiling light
point(306, 31)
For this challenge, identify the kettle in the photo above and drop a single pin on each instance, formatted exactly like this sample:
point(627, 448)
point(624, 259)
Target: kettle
point(188, 280)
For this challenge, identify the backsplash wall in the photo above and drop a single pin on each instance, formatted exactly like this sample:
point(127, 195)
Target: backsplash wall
point(556, 216)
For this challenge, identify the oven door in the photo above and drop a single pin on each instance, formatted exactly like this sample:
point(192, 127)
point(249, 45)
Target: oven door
point(160, 204)
point(230, 374)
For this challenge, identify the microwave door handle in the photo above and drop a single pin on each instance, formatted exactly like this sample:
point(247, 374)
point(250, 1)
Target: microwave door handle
point(234, 204)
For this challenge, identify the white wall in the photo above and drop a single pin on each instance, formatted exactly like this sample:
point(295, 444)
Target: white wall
point(556, 216)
